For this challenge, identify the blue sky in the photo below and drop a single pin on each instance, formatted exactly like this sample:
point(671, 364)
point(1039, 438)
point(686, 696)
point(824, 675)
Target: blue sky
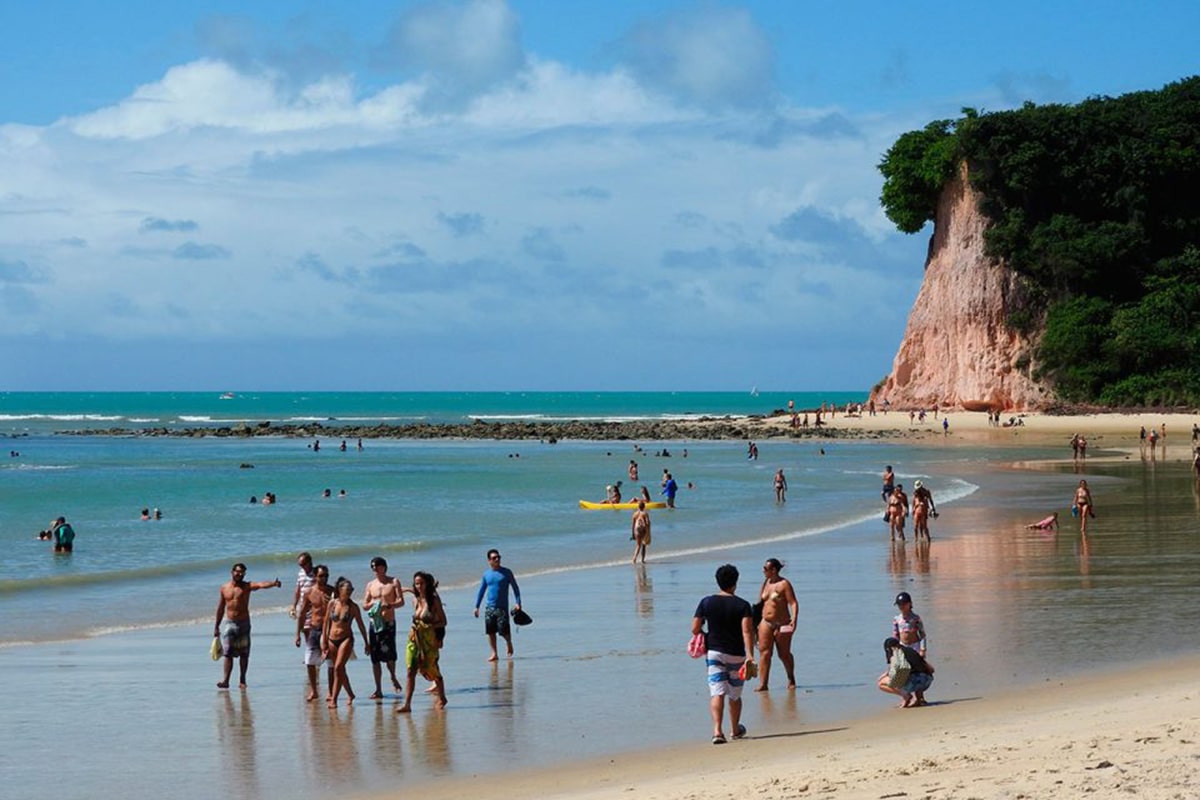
point(494, 195)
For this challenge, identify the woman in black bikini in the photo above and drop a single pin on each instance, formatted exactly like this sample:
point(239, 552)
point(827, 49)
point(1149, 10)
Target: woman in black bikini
point(337, 638)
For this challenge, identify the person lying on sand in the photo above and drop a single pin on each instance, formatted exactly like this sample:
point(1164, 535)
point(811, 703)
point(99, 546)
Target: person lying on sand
point(1045, 524)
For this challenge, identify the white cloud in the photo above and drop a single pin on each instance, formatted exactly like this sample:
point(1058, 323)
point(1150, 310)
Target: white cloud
point(712, 57)
point(320, 210)
point(460, 49)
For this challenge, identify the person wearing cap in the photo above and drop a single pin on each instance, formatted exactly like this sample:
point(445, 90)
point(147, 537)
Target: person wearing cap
point(920, 676)
point(922, 507)
point(381, 638)
point(907, 626)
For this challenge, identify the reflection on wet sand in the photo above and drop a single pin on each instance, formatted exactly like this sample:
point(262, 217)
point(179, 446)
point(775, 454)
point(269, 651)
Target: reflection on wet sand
point(643, 591)
point(235, 735)
point(335, 746)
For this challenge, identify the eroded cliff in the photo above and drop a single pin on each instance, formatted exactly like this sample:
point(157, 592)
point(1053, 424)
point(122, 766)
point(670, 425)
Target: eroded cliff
point(958, 350)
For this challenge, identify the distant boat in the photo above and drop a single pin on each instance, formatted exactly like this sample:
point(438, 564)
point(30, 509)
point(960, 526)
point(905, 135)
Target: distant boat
point(228, 396)
point(754, 391)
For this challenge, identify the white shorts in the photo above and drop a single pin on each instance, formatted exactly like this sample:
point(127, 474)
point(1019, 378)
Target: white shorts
point(312, 649)
point(723, 674)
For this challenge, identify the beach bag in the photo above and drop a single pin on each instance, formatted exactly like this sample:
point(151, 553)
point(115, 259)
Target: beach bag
point(899, 669)
point(698, 646)
point(215, 651)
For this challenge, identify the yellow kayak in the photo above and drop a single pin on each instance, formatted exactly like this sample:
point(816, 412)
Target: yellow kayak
point(617, 506)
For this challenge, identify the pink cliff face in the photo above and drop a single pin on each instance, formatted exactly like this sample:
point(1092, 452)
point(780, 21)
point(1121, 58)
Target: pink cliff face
point(958, 350)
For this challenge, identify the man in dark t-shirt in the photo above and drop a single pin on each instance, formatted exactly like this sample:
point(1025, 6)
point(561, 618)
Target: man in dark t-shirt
point(729, 645)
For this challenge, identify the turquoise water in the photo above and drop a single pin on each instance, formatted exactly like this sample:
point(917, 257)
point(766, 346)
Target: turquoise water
point(22, 412)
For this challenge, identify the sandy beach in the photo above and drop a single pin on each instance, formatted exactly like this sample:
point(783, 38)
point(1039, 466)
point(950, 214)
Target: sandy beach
point(1130, 733)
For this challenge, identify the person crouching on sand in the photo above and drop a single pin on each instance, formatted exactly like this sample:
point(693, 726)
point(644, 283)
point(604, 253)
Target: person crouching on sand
point(908, 674)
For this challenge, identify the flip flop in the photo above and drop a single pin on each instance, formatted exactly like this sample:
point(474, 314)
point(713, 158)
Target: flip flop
point(719, 739)
point(740, 733)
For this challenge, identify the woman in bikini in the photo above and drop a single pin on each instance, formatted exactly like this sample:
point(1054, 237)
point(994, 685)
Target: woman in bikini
point(897, 511)
point(780, 609)
point(421, 654)
point(337, 637)
point(1083, 505)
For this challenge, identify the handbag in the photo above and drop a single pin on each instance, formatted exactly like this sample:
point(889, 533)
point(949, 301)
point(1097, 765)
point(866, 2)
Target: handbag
point(519, 617)
point(698, 646)
point(216, 650)
point(899, 669)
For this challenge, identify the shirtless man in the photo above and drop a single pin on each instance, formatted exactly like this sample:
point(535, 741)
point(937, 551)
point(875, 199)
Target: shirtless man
point(310, 621)
point(382, 638)
point(889, 480)
point(640, 527)
point(922, 508)
point(233, 620)
point(897, 511)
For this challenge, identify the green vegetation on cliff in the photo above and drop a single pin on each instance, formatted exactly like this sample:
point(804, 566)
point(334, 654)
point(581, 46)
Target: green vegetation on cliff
point(1097, 206)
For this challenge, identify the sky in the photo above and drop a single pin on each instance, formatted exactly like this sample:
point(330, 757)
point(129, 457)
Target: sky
point(495, 194)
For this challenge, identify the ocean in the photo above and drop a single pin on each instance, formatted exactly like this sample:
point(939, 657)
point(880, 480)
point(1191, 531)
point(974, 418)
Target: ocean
point(117, 633)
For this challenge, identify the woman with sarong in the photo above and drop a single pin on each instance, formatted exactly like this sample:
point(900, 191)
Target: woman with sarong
point(421, 653)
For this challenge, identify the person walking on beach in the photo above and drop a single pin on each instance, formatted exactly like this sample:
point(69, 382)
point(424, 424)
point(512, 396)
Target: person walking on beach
point(922, 509)
point(337, 640)
point(310, 624)
point(421, 654)
point(62, 535)
point(780, 611)
point(889, 483)
point(233, 621)
point(670, 489)
point(305, 578)
point(730, 644)
point(907, 626)
point(383, 595)
point(1083, 507)
point(908, 675)
point(897, 511)
point(494, 585)
point(640, 531)
point(780, 487)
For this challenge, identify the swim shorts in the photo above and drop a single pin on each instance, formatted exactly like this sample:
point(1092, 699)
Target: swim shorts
point(723, 674)
point(313, 657)
point(917, 682)
point(235, 638)
point(495, 620)
point(383, 643)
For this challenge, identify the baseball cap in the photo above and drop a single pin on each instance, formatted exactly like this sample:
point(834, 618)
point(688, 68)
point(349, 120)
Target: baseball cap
point(903, 597)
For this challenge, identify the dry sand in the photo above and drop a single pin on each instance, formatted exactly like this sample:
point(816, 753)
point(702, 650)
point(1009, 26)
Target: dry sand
point(1128, 734)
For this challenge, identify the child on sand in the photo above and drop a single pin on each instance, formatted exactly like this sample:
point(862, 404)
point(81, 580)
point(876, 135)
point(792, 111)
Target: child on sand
point(1050, 522)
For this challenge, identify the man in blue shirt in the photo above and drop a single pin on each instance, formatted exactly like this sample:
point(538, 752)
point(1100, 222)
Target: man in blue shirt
point(495, 584)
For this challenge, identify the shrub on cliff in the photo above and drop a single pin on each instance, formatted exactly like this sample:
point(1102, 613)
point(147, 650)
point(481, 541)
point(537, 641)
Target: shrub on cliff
point(1097, 206)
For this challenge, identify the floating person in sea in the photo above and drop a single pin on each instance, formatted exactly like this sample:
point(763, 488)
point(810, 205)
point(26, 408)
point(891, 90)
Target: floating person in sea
point(145, 514)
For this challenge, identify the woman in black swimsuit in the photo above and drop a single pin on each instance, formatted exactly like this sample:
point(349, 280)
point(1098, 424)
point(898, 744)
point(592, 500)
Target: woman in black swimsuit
point(337, 638)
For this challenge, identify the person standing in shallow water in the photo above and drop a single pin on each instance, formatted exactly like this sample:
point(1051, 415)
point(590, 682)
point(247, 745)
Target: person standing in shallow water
point(780, 610)
point(1083, 505)
point(730, 644)
point(233, 621)
point(780, 487)
point(640, 531)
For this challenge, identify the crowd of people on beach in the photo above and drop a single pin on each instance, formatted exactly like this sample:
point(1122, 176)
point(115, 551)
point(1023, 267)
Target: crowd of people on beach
point(327, 616)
